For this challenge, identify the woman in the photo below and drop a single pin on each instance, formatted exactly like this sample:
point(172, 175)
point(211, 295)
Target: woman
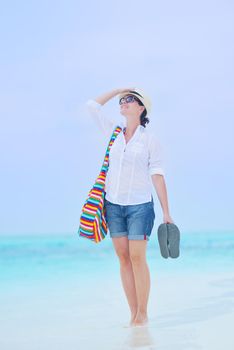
point(134, 158)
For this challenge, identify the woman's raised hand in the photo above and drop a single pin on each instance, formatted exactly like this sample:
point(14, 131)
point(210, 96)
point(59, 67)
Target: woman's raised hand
point(108, 95)
point(123, 90)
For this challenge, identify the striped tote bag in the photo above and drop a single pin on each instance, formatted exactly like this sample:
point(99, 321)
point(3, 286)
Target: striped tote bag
point(93, 223)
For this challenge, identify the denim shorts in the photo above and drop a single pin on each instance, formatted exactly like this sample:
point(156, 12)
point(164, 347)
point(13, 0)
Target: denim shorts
point(134, 221)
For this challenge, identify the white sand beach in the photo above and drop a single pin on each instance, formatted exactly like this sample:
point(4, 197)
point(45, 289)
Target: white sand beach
point(186, 311)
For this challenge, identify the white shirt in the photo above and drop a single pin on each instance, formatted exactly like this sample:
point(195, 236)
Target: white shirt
point(130, 164)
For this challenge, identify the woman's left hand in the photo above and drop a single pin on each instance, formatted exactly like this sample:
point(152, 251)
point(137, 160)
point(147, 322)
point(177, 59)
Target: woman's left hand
point(167, 219)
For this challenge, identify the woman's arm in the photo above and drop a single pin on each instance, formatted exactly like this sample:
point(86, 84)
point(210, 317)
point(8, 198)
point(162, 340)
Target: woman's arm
point(102, 99)
point(94, 109)
point(161, 190)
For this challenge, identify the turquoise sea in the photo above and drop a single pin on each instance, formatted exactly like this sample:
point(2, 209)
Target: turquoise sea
point(45, 258)
point(64, 292)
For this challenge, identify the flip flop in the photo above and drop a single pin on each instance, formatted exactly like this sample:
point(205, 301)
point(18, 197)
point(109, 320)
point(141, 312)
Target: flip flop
point(163, 240)
point(173, 234)
point(169, 240)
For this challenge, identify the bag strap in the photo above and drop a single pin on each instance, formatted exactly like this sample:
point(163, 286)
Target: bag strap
point(105, 164)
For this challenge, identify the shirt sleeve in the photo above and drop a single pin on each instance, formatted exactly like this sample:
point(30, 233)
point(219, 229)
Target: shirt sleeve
point(156, 164)
point(105, 124)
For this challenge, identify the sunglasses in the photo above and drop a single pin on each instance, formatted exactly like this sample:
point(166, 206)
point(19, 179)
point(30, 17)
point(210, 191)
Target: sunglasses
point(128, 99)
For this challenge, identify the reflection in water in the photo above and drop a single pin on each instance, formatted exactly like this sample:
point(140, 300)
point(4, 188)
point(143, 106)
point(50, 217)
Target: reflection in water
point(139, 337)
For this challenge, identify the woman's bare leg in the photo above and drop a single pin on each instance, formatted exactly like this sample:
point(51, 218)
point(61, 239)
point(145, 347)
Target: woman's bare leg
point(137, 251)
point(121, 245)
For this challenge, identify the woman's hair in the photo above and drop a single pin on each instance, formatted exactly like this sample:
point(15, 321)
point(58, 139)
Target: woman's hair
point(144, 120)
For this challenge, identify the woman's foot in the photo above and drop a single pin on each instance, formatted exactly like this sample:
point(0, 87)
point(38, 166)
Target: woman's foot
point(141, 319)
point(133, 318)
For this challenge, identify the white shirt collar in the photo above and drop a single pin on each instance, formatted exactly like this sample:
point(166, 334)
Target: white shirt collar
point(123, 125)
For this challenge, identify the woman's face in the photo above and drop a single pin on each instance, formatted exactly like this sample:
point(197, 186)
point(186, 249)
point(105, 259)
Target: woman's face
point(130, 107)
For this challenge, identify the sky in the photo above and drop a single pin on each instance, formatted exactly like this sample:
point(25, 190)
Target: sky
point(55, 55)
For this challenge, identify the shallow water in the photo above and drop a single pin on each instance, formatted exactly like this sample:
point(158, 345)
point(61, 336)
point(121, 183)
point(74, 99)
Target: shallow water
point(46, 257)
point(60, 292)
